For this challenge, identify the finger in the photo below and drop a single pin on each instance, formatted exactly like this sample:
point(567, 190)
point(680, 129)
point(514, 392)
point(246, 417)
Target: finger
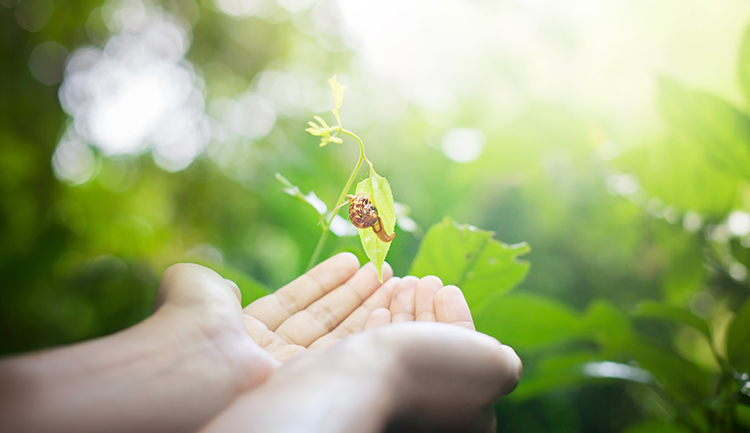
point(274, 309)
point(235, 288)
point(426, 290)
point(379, 317)
point(451, 307)
point(325, 314)
point(188, 285)
point(402, 303)
point(357, 321)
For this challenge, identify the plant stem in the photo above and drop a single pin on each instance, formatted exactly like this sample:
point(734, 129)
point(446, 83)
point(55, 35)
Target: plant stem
point(329, 220)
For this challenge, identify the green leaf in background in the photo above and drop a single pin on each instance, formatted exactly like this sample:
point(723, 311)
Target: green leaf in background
point(608, 326)
point(470, 259)
point(378, 190)
point(674, 314)
point(677, 376)
point(528, 322)
point(706, 122)
point(738, 339)
point(656, 427)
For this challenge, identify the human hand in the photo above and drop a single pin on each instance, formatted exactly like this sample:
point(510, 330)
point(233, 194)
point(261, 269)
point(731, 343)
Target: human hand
point(335, 300)
point(423, 376)
point(320, 308)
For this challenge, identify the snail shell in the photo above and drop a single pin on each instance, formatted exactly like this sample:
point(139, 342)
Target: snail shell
point(364, 214)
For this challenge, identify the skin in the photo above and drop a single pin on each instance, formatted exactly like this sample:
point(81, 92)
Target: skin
point(201, 355)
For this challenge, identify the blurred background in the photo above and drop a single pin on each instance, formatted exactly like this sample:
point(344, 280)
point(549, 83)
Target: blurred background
point(610, 135)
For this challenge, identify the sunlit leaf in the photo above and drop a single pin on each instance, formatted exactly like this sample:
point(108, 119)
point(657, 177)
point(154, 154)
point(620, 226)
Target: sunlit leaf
point(673, 314)
point(470, 259)
point(378, 190)
point(310, 198)
point(738, 339)
point(338, 97)
point(719, 130)
point(528, 322)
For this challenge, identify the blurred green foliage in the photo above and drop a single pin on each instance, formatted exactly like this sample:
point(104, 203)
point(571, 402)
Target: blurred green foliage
point(633, 317)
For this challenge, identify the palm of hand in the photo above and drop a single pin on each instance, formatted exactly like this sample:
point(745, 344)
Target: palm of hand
point(336, 299)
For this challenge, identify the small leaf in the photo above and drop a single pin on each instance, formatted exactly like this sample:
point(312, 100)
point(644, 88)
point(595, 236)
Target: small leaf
point(470, 259)
point(674, 314)
point(378, 190)
point(311, 198)
point(338, 96)
point(738, 339)
point(529, 322)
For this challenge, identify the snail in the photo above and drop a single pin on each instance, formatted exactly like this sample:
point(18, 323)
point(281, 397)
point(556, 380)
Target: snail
point(363, 214)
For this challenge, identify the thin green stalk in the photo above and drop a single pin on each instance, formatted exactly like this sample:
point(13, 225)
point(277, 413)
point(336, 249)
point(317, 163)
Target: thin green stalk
point(329, 220)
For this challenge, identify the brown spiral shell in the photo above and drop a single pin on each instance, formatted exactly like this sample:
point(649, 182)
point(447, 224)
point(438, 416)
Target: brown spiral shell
point(364, 214)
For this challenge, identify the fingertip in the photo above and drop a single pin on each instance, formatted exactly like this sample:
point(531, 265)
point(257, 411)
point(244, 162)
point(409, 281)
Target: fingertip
point(432, 280)
point(378, 317)
point(235, 288)
point(346, 260)
point(513, 367)
point(451, 307)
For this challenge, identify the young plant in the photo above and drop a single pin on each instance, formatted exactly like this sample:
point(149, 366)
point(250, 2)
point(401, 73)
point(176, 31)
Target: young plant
point(371, 208)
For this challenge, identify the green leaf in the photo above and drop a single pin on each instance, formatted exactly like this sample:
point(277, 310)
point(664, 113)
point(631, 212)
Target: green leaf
point(608, 326)
point(656, 427)
point(719, 130)
point(378, 190)
point(469, 258)
point(311, 198)
point(338, 96)
point(673, 314)
point(738, 339)
point(528, 322)
point(677, 376)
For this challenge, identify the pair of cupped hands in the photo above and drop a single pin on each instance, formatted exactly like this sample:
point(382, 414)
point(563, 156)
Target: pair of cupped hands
point(336, 350)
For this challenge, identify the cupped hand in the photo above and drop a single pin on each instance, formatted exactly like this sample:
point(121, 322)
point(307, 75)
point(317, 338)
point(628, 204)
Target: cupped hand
point(337, 299)
point(320, 308)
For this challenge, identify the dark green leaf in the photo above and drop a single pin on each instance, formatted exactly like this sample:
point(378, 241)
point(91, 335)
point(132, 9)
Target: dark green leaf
point(738, 339)
point(678, 377)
